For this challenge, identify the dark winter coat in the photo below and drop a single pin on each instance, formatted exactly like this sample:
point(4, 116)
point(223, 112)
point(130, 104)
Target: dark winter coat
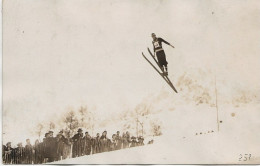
point(50, 148)
point(77, 140)
point(119, 142)
point(104, 144)
point(125, 142)
point(60, 148)
point(19, 154)
point(38, 156)
point(28, 154)
point(87, 145)
point(133, 143)
point(96, 146)
point(8, 154)
point(113, 145)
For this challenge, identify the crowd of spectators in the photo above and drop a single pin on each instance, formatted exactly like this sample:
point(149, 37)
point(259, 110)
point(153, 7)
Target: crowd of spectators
point(60, 147)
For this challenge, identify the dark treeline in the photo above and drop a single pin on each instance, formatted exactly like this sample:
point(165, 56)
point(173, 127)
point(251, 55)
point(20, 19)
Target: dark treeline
point(62, 147)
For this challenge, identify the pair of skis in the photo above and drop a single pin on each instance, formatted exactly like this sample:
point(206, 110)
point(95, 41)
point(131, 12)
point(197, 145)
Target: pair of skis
point(165, 77)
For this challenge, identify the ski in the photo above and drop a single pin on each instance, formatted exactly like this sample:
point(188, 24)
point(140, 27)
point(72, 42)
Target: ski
point(159, 73)
point(162, 71)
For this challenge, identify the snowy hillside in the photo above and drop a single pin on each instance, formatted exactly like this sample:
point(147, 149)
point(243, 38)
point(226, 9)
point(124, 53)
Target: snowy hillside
point(237, 139)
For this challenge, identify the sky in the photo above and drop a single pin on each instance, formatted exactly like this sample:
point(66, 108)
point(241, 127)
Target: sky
point(61, 54)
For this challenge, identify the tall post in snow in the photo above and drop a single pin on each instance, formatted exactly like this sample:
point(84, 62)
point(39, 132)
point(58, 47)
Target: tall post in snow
point(142, 124)
point(216, 92)
point(137, 126)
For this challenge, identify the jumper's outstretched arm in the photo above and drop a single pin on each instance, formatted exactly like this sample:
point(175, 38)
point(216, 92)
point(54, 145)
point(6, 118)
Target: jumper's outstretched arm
point(167, 43)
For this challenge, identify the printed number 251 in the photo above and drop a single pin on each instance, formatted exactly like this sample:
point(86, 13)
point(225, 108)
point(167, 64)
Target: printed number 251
point(244, 157)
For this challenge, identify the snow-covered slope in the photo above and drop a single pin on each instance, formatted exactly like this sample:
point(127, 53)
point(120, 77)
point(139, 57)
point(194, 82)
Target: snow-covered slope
point(207, 149)
point(237, 138)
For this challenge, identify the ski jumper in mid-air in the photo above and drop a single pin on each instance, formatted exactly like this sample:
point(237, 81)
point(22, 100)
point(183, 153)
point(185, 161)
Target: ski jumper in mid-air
point(161, 59)
point(158, 50)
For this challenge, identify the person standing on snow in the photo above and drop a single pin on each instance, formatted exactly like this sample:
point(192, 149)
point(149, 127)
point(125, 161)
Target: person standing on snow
point(118, 140)
point(158, 50)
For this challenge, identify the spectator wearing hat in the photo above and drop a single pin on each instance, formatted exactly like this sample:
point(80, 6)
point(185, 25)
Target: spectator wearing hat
point(113, 142)
point(104, 142)
point(50, 147)
point(8, 153)
point(77, 139)
point(133, 142)
point(140, 141)
point(50, 134)
point(19, 154)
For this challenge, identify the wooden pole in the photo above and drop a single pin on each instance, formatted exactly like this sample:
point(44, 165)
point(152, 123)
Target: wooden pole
point(142, 129)
point(137, 127)
point(216, 101)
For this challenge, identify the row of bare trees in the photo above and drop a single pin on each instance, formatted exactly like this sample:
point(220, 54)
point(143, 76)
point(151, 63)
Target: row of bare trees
point(70, 122)
point(136, 120)
point(140, 121)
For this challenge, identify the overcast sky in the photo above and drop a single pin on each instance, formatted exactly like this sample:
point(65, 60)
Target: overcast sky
point(64, 53)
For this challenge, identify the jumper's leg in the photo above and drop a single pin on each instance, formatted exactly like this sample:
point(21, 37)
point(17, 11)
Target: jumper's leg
point(166, 68)
point(161, 66)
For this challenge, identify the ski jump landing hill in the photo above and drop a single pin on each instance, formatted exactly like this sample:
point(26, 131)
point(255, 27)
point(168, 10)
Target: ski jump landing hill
point(237, 142)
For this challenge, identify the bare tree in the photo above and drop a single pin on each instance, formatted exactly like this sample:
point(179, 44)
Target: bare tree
point(156, 128)
point(141, 111)
point(87, 118)
point(51, 126)
point(83, 113)
point(92, 122)
point(71, 122)
point(39, 129)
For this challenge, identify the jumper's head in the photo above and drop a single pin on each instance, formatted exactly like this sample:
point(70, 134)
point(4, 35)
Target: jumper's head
point(153, 36)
